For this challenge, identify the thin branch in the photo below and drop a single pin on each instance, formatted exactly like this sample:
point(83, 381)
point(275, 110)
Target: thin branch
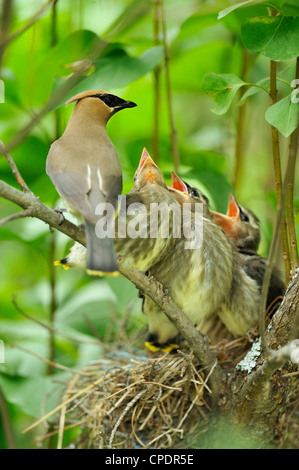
point(239, 147)
point(293, 149)
point(174, 141)
point(52, 306)
point(5, 41)
point(62, 426)
point(7, 426)
point(157, 94)
point(125, 20)
point(5, 25)
point(197, 341)
point(29, 201)
point(4, 151)
point(284, 326)
point(272, 255)
point(54, 24)
point(19, 215)
point(277, 167)
point(47, 327)
point(51, 363)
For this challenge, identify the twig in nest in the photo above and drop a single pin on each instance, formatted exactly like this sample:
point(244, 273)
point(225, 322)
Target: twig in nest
point(59, 407)
point(63, 411)
point(127, 408)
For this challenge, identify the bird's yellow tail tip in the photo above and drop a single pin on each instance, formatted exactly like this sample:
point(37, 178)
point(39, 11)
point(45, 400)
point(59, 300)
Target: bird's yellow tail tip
point(60, 263)
point(91, 272)
point(170, 347)
point(153, 348)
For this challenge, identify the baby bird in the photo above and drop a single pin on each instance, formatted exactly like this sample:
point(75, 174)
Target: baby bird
point(242, 227)
point(239, 311)
point(148, 206)
point(85, 169)
point(198, 280)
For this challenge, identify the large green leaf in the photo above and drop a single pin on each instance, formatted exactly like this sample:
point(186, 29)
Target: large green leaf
point(116, 70)
point(248, 3)
point(275, 37)
point(31, 394)
point(284, 115)
point(222, 88)
point(77, 46)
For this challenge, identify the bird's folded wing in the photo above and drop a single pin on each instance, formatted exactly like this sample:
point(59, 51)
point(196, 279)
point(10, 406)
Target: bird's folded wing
point(74, 189)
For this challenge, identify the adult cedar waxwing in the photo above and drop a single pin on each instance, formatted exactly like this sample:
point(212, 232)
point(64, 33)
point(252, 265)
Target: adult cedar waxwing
point(242, 227)
point(85, 169)
point(135, 248)
point(198, 280)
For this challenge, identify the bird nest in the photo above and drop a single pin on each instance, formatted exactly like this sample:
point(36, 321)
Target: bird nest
point(136, 402)
point(130, 400)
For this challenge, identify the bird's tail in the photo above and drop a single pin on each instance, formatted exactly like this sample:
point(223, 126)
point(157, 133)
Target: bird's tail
point(101, 257)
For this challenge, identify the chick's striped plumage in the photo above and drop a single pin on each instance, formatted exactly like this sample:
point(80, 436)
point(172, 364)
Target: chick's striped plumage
point(198, 280)
point(242, 227)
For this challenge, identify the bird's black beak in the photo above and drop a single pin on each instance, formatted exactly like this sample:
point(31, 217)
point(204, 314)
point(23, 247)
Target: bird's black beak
point(126, 104)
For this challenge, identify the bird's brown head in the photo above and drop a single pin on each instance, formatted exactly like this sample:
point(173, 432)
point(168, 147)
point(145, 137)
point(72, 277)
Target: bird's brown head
point(239, 224)
point(147, 173)
point(100, 104)
point(185, 193)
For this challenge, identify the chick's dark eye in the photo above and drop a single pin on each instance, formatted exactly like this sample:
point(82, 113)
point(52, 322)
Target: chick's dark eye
point(244, 217)
point(194, 193)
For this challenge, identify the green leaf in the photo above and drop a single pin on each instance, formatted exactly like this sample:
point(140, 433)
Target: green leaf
point(223, 89)
point(248, 3)
point(228, 10)
point(77, 46)
point(31, 395)
point(284, 115)
point(275, 37)
point(116, 70)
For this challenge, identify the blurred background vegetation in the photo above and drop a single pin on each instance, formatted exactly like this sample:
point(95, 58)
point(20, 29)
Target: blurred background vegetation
point(115, 45)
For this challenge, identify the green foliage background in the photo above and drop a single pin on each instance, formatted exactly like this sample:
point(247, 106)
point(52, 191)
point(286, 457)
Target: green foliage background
point(34, 66)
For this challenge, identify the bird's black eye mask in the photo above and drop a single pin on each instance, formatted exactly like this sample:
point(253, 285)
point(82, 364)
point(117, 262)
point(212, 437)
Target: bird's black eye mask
point(114, 101)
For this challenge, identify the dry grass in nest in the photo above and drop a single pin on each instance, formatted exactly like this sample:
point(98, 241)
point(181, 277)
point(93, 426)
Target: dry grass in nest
point(134, 399)
point(129, 400)
point(136, 402)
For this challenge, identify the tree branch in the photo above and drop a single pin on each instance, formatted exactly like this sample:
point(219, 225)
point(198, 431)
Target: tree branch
point(29, 201)
point(151, 287)
point(293, 148)
point(157, 94)
point(277, 167)
point(5, 41)
point(7, 426)
point(4, 151)
point(273, 249)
